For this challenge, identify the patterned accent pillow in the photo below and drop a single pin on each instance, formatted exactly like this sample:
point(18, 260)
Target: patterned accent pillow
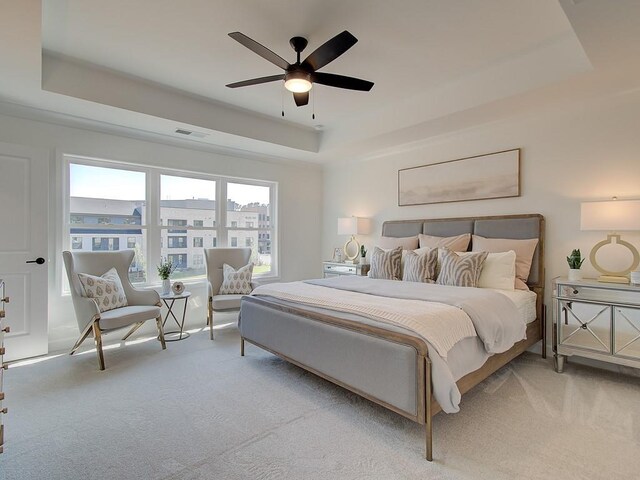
point(386, 264)
point(106, 290)
point(236, 281)
point(460, 271)
point(420, 267)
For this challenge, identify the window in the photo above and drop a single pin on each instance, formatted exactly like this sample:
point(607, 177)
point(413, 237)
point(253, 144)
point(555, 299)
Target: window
point(189, 203)
point(108, 244)
point(249, 218)
point(100, 198)
point(177, 242)
point(179, 261)
point(108, 210)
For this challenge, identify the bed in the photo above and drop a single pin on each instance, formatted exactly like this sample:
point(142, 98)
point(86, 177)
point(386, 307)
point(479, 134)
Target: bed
point(387, 364)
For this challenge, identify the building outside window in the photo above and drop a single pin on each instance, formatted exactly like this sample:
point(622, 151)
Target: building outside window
point(131, 242)
point(248, 242)
point(234, 224)
point(76, 243)
point(198, 259)
point(106, 244)
point(198, 223)
point(214, 244)
point(198, 242)
point(179, 261)
point(234, 241)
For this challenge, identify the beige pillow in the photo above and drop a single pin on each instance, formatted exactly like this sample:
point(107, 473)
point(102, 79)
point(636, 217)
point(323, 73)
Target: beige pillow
point(236, 281)
point(407, 243)
point(386, 264)
point(498, 270)
point(524, 254)
point(420, 267)
point(459, 243)
point(106, 290)
point(460, 271)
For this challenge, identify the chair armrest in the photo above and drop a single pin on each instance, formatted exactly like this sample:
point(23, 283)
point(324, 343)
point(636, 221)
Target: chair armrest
point(143, 297)
point(86, 309)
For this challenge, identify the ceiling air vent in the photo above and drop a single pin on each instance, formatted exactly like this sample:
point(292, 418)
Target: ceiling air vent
point(182, 131)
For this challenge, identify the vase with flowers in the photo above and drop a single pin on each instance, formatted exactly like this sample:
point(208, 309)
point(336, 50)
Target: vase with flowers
point(165, 269)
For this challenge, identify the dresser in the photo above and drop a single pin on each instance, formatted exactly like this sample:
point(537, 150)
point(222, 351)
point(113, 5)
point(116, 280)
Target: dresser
point(596, 320)
point(335, 269)
point(3, 329)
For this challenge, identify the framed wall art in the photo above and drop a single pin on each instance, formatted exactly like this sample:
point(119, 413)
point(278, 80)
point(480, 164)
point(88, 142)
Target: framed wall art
point(494, 175)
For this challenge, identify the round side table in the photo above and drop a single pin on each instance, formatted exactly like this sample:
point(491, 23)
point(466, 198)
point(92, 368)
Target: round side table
point(169, 299)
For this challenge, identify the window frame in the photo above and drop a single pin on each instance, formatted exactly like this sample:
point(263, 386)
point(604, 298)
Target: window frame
point(152, 230)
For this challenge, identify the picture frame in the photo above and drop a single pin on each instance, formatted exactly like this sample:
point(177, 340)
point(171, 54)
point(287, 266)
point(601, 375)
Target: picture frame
point(480, 177)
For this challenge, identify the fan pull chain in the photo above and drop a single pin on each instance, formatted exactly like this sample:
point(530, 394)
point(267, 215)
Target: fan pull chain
point(313, 104)
point(282, 99)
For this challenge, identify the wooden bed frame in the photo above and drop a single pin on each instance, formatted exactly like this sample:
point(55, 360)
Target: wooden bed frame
point(427, 405)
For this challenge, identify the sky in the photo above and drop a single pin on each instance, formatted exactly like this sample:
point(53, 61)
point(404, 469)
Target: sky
point(112, 183)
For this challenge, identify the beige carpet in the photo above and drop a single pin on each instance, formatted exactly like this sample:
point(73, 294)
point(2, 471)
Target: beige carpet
point(200, 411)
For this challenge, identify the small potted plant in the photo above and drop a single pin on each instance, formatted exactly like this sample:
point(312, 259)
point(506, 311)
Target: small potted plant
point(575, 261)
point(165, 269)
point(363, 255)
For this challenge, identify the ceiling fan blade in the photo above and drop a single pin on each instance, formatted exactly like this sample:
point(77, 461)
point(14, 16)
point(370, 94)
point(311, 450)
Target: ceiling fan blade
point(329, 51)
point(261, 50)
point(301, 98)
point(340, 81)
point(256, 81)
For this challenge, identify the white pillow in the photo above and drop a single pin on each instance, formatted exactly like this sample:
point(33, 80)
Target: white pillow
point(407, 243)
point(106, 290)
point(498, 271)
point(236, 281)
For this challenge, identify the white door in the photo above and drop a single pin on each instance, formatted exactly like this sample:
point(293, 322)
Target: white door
point(24, 203)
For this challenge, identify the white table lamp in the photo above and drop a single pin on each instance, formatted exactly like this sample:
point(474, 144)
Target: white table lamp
point(612, 216)
point(352, 226)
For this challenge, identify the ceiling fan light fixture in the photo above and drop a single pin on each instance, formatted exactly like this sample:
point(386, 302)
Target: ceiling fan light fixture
point(297, 82)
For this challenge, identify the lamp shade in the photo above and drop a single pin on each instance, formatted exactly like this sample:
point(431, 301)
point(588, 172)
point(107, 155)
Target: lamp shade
point(353, 226)
point(612, 215)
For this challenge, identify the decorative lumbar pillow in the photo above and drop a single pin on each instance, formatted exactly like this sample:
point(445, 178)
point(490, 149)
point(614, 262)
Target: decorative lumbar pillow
point(498, 270)
point(407, 243)
point(460, 271)
point(106, 289)
point(420, 267)
point(458, 243)
point(385, 265)
point(524, 254)
point(236, 281)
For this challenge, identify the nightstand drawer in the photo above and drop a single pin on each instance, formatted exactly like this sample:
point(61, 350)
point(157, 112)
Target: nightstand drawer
point(341, 269)
point(599, 294)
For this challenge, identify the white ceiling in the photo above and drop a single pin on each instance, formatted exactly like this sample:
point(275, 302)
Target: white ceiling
point(154, 65)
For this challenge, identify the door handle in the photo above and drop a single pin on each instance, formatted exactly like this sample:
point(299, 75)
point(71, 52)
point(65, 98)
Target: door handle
point(38, 260)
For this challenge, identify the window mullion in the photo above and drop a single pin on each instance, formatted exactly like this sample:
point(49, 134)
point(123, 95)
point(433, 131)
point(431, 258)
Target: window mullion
point(221, 213)
point(153, 224)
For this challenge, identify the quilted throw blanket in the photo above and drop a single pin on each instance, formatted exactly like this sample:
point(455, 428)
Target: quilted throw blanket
point(439, 314)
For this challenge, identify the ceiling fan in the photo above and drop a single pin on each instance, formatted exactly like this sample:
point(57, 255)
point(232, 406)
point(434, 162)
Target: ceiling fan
point(299, 77)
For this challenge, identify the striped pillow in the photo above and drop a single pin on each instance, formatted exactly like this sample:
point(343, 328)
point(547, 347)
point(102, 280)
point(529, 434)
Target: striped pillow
point(386, 264)
point(460, 271)
point(420, 267)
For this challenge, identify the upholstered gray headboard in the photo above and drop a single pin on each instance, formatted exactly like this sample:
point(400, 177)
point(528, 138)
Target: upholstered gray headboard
point(505, 226)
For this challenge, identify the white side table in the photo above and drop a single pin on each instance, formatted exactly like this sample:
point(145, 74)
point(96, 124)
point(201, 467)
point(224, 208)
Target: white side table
point(169, 299)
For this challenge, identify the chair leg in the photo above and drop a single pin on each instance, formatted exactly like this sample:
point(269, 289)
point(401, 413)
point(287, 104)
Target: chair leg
point(133, 329)
point(210, 320)
point(242, 346)
point(161, 332)
point(98, 339)
point(83, 336)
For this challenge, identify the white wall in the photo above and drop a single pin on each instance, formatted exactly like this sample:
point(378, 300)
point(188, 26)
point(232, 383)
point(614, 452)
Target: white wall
point(299, 198)
point(589, 153)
